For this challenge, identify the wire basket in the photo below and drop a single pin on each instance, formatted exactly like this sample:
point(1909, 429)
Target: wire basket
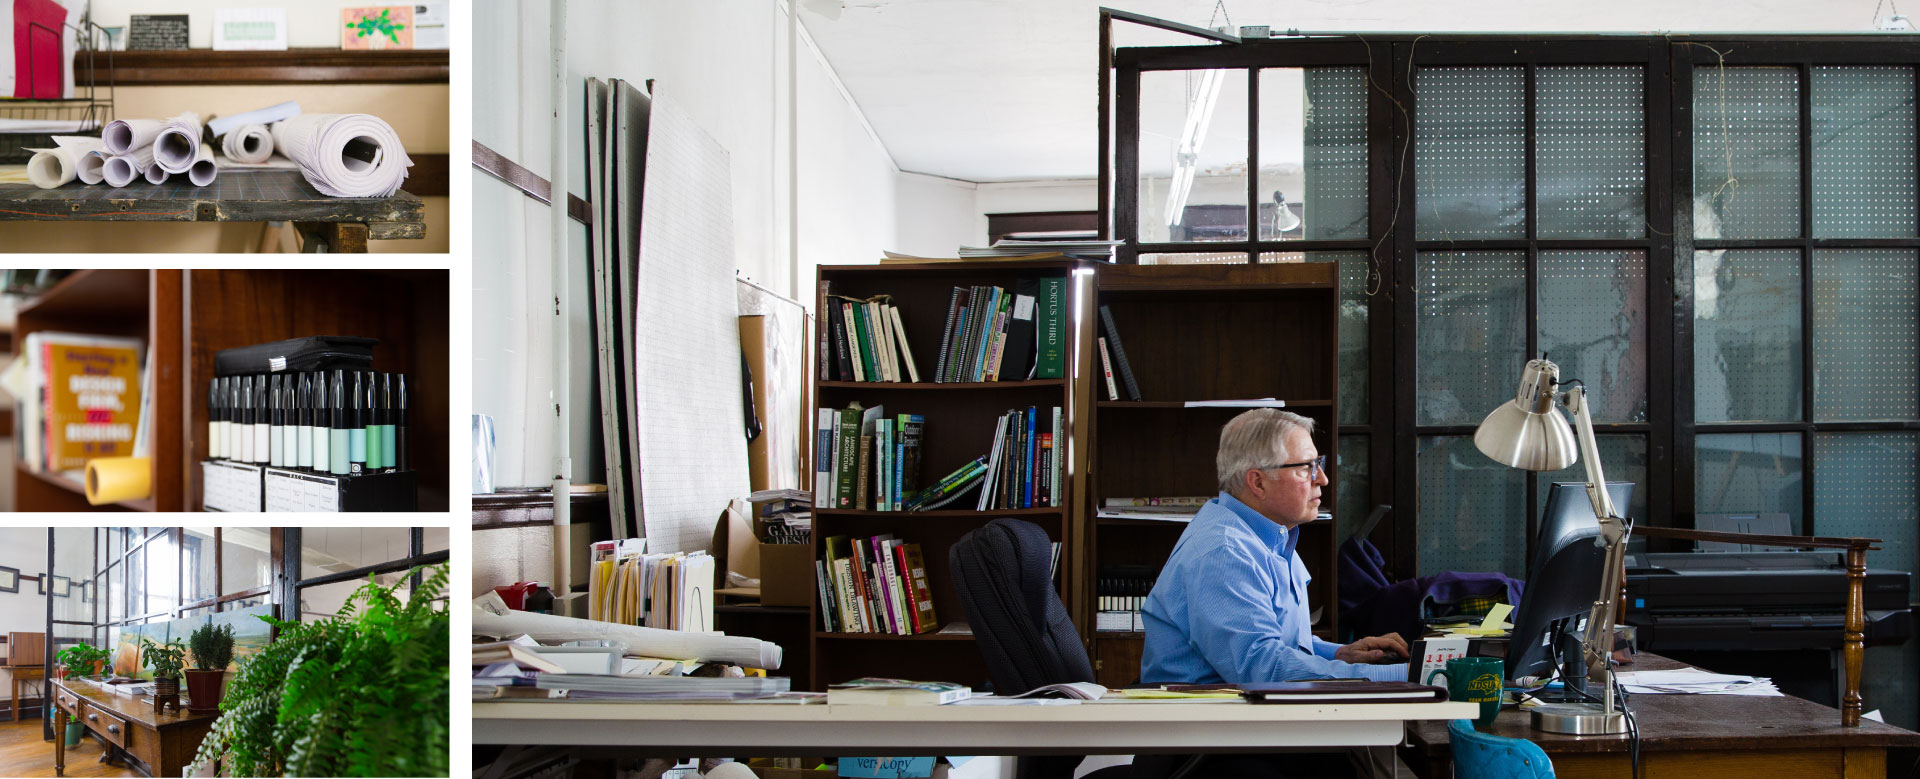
point(41, 117)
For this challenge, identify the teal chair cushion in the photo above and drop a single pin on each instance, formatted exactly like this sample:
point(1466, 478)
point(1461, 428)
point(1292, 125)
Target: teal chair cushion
point(1477, 755)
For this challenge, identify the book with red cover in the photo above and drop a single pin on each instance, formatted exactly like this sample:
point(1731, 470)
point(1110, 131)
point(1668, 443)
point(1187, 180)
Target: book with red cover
point(1342, 691)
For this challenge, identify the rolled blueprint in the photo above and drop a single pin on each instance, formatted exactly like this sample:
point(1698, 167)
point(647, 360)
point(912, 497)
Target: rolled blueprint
point(177, 144)
point(203, 170)
point(157, 175)
point(251, 144)
point(92, 167)
point(344, 155)
point(124, 135)
point(223, 125)
point(89, 156)
point(114, 479)
point(50, 168)
point(122, 169)
point(644, 642)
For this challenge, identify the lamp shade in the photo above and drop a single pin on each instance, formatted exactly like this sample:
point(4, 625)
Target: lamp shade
point(1527, 432)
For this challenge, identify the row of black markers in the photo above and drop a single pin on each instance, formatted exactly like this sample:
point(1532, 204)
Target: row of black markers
point(340, 422)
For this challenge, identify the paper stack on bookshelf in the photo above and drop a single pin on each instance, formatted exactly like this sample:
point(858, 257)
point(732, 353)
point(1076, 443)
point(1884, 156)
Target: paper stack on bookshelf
point(1013, 247)
point(874, 585)
point(672, 591)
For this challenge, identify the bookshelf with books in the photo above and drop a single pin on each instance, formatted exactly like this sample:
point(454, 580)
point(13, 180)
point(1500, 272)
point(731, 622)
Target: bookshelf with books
point(980, 381)
point(1187, 334)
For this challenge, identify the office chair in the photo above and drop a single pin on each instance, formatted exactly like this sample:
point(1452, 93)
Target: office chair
point(1478, 755)
point(1002, 574)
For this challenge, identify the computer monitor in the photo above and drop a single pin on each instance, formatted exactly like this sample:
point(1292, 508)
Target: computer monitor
point(1562, 582)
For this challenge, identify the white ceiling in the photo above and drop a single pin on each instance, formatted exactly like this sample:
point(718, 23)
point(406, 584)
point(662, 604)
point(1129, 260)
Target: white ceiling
point(1005, 90)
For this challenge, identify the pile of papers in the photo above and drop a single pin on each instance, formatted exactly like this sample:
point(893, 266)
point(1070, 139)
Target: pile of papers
point(1007, 247)
point(786, 516)
point(1695, 682)
point(524, 668)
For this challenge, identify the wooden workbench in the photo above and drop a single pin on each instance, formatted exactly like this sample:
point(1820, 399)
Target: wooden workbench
point(330, 224)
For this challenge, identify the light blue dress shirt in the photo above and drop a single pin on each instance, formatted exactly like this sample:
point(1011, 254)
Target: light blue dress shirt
point(1231, 606)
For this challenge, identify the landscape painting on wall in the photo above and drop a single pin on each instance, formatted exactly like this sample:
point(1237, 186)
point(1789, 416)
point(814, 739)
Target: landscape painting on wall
point(250, 634)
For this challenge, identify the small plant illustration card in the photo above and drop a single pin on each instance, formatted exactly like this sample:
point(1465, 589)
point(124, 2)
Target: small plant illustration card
point(378, 27)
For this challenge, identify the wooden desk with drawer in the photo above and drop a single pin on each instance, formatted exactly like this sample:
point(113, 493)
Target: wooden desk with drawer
point(164, 742)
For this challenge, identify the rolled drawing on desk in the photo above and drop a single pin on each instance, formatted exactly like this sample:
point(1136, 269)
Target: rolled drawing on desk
point(156, 175)
point(650, 642)
point(123, 167)
point(203, 170)
point(345, 155)
point(249, 144)
point(73, 157)
point(259, 117)
point(178, 143)
point(122, 136)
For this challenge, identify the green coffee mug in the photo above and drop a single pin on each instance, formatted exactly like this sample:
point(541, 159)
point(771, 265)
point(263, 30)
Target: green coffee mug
point(1474, 680)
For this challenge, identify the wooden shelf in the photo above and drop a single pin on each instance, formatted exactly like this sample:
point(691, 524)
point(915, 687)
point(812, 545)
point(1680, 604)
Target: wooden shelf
point(941, 386)
point(76, 493)
point(944, 513)
point(201, 67)
point(1292, 405)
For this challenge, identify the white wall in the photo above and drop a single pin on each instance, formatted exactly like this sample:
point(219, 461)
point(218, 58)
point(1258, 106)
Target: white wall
point(24, 549)
point(725, 63)
point(934, 216)
point(310, 24)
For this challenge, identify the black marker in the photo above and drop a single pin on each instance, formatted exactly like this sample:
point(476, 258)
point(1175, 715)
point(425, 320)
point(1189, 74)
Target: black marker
point(322, 425)
point(370, 419)
point(388, 446)
point(215, 446)
point(246, 419)
point(232, 389)
point(302, 421)
point(262, 422)
point(400, 421)
point(339, 458)
point(276, 422)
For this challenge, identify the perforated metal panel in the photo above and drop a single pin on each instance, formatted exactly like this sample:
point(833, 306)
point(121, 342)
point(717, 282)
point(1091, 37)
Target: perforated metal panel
point(1354, 487)
point(1747, 473)
point(1472, 510)
point(1469, 147)
point(1746, 335)
point(1746, 152)
point(1336, 154)
point(1593, 323)
point(1864, 334)
point(1622, 457)
point(1590, 154)
point(1864, 486)
point(1470, 334)
point(1863, 147)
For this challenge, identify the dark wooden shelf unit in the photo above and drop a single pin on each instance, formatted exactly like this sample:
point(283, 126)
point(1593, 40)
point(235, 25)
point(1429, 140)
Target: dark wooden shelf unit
point(143, 304)
point(1200, 332)
point(959, 427)
point(186, 316)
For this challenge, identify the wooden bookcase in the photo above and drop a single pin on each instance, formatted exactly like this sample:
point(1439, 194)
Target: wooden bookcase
point(959, 427)
point(186, 316)
point(1200, 332)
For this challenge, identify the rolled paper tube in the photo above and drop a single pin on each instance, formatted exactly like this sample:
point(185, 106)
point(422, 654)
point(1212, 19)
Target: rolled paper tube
point(124, 135)
point(251, 144)
point(156, 174)
point(122, 169)
point(225, 125)
point(344, 155)
point(50, 168)
point(114, 479)
point(176, 147)
point(93, 167)
point(203, 169)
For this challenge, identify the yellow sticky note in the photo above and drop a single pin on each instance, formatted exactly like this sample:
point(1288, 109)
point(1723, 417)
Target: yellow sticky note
point(1497, 617)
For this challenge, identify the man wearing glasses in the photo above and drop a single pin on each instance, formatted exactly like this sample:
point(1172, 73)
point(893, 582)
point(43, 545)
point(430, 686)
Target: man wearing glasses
point(1231, 603)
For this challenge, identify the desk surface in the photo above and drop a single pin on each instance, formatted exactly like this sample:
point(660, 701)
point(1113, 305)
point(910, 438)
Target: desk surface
point(1698, 722)
point(1086, 728)
point(137, 708)
point(236, 196)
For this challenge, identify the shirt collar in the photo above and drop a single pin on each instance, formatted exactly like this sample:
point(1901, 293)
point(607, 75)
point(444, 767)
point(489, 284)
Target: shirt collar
point(1268, 531)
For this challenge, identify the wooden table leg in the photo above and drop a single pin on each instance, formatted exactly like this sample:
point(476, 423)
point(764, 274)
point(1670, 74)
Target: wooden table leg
point(332, 237)
point(1855, 648)
point(60, 742)
point(16, 696)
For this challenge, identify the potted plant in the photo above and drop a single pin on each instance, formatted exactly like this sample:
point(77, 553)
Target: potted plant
point(82, 660)
point(212, 649)
point(166, 660)
point(363, 693)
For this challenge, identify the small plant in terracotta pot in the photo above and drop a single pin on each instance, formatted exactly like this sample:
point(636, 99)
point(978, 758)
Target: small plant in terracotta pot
point(212, 649)
point(81, 660)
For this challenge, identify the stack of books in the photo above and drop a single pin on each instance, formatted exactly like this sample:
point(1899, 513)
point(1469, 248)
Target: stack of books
point(864, 340)
point(786, 516)
point(874, 585)
point(1023, 470)
point(873, 691)
point(993, 334)
point(865, 460)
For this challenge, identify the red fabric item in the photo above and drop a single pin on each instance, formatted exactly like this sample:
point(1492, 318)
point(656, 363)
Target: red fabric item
point(37, 67)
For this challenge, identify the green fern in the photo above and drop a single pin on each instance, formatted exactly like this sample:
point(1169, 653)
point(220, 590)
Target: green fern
point(361, 694)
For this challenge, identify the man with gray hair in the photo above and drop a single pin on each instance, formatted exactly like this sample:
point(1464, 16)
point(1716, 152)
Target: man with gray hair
point(1231, 603)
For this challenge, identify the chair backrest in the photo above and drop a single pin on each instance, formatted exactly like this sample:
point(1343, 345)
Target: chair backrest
point(1478, 755)
point(1002, 574)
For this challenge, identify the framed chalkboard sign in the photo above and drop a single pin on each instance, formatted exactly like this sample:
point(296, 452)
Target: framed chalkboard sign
point(148, 32)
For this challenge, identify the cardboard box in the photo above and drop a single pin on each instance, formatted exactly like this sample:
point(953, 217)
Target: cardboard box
point(786, 574)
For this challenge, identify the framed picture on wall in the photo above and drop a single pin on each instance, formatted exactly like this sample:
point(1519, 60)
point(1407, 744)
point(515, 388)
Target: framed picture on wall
point(62, 586)
point(9, 579)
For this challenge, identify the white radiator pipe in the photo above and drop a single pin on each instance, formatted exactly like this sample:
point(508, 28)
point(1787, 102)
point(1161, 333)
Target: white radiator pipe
point(558, 258)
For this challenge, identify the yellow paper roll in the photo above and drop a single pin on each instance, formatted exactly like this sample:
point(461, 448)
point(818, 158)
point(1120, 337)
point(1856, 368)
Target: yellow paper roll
point(114, 479)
